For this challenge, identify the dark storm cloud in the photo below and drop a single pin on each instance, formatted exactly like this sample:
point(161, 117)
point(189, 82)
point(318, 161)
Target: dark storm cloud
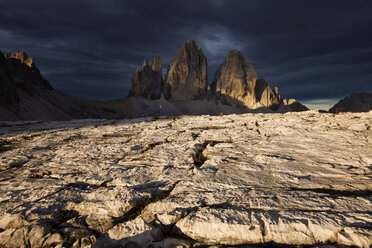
point(309, 49)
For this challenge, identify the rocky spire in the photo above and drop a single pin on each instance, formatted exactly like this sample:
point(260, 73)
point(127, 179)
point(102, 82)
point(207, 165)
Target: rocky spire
point(156, 63)
point(147, 82)
point(235, 80)
point(144, 63)
point(265, 95)
point(186, 78)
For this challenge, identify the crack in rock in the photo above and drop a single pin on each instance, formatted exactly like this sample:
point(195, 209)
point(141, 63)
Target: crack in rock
point(337, 193)
point(198, 157)
point(136, 210)
point(152, 146)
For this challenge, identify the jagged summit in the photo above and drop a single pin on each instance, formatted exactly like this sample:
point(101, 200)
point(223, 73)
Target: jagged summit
point(21, 56)
point(235, 80)
point(144, 64)
point(156, 63)
point(186, 78)
point(18, 70)
point(147, 82)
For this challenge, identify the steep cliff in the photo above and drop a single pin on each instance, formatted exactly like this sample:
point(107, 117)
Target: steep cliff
point(235, 80)
point(186, 78)
point(265, 95)
point(147, 82)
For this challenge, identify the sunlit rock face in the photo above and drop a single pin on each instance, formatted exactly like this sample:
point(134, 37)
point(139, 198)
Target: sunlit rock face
point(194, 181)
point(147, 82)
point(235, 80)
point(186, 78)
point(21, 56)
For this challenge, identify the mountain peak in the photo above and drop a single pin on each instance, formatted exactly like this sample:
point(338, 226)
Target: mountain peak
point(156, 63)
point(21, 56)
point(186, 78)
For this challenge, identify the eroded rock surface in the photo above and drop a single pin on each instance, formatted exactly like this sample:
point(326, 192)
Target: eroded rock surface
point(186, 78)
point(289, 179)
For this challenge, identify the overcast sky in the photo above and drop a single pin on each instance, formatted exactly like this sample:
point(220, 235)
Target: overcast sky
point(315, 51)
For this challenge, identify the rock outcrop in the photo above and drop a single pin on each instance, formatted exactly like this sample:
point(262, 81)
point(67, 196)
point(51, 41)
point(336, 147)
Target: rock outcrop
point(357, 102)
point(235, 80)
point(186, 78)
point(26, 95)
point(21, 56)
point(235, 83)
point(147, 82)
point(23, 72)
point(265, 95)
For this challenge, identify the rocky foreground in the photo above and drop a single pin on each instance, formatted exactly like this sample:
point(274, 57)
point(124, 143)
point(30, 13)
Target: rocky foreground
point(252, 179)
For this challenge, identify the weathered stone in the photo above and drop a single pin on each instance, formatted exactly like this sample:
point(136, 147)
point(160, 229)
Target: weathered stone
point(99, 222)
point(147, 82)
point(85, 242)
point(12, 221)
point(27, 236)
point(265, 95)
point(235, 80)
point(136, 233)
point(186, 78)
point(291, 179)
point(53, 240)
point(361, 102)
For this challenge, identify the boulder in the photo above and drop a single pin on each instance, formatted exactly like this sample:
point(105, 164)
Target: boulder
point(147, 82)
point(186, 78)
point(235, 80)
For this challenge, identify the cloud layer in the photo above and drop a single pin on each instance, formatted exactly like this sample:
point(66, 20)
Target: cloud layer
point(309, 49)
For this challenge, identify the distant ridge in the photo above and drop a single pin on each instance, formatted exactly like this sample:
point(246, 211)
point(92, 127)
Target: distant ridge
point(356, 102)
point(26, 95)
